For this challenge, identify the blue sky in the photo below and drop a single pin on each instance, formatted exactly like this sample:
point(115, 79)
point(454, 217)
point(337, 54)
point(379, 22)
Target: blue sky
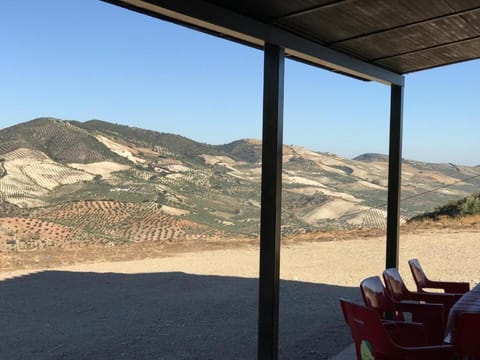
point(85, 59)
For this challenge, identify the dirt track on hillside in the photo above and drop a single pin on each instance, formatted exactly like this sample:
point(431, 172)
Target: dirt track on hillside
point(202, 304)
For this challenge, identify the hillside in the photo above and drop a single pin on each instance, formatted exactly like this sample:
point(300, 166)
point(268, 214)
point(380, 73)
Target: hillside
point(50, 166)
point(174, 144)
point(103, 222)
point(243, 150)
point(59, 140)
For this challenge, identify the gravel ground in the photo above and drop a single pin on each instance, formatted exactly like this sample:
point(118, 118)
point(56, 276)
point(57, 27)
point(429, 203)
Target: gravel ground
point(202, 305)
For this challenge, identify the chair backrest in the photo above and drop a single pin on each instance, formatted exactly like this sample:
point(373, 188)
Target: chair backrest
point(466, 335)
point(375, 296)
point(366, 328)
point(395, 286)
point(418, 274)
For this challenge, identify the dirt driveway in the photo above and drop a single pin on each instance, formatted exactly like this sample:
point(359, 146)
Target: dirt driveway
point(203, 305)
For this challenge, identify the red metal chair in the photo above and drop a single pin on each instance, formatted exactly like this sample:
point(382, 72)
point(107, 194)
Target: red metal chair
point(401, 341)
point(398, 291)
point(467, 336)
point(430, 315)
point(423, 282)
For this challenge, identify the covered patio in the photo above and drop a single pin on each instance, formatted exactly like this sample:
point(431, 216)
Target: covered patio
point(368, 40)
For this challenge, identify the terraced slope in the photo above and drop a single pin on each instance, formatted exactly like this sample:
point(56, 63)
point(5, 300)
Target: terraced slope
point(59, 140)
point(103, 222)
point(30, 175)
point(96, 182)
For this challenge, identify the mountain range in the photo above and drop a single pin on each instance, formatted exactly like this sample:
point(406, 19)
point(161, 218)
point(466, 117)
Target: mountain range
point(64, 183)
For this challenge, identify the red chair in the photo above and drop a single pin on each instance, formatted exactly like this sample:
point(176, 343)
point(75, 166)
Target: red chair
point(398, 291)
point(404, 341)
point(423, 282)
point(467, 337)
point(430, 315)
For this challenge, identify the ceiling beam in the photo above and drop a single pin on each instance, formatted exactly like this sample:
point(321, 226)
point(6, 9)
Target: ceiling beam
point(218, 21)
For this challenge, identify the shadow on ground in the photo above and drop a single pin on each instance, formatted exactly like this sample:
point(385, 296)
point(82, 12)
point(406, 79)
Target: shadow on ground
point(74, 315)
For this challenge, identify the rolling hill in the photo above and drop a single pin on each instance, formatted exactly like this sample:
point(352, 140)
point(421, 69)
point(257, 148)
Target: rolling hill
point(143, 185)
point(59, 140)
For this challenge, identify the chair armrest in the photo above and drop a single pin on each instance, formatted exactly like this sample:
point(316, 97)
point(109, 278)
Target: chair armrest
point(406, 333)
point(445, 299)
point(437, 352)
point(432, 316)
point(415, 307)
point(448, 286)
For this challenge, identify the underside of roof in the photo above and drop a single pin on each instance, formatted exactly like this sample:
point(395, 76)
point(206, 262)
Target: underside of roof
point(398, 36)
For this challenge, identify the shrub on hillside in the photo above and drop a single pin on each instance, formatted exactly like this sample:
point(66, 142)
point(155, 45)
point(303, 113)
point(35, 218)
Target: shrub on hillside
point(465, 207)
point(471, 206)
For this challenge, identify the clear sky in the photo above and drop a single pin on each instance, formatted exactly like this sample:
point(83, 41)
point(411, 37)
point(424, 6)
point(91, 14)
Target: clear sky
point(85, 59)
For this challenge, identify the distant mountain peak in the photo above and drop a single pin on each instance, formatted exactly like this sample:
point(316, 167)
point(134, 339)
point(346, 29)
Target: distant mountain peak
point(372, 157)
point(249, 150)
point(253, 141)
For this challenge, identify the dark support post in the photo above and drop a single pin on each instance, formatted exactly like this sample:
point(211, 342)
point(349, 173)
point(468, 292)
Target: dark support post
point(394, 175)
point(270, 217)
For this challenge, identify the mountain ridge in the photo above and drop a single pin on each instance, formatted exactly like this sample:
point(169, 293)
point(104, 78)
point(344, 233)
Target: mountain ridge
point(371, 157)
point(242, 149)
point(48, 162)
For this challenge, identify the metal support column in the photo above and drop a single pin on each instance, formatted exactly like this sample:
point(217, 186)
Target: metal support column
point(394, 175)
point(271, 202)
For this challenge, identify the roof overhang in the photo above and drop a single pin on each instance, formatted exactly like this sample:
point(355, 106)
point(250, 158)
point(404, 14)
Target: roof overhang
point(208, 17)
